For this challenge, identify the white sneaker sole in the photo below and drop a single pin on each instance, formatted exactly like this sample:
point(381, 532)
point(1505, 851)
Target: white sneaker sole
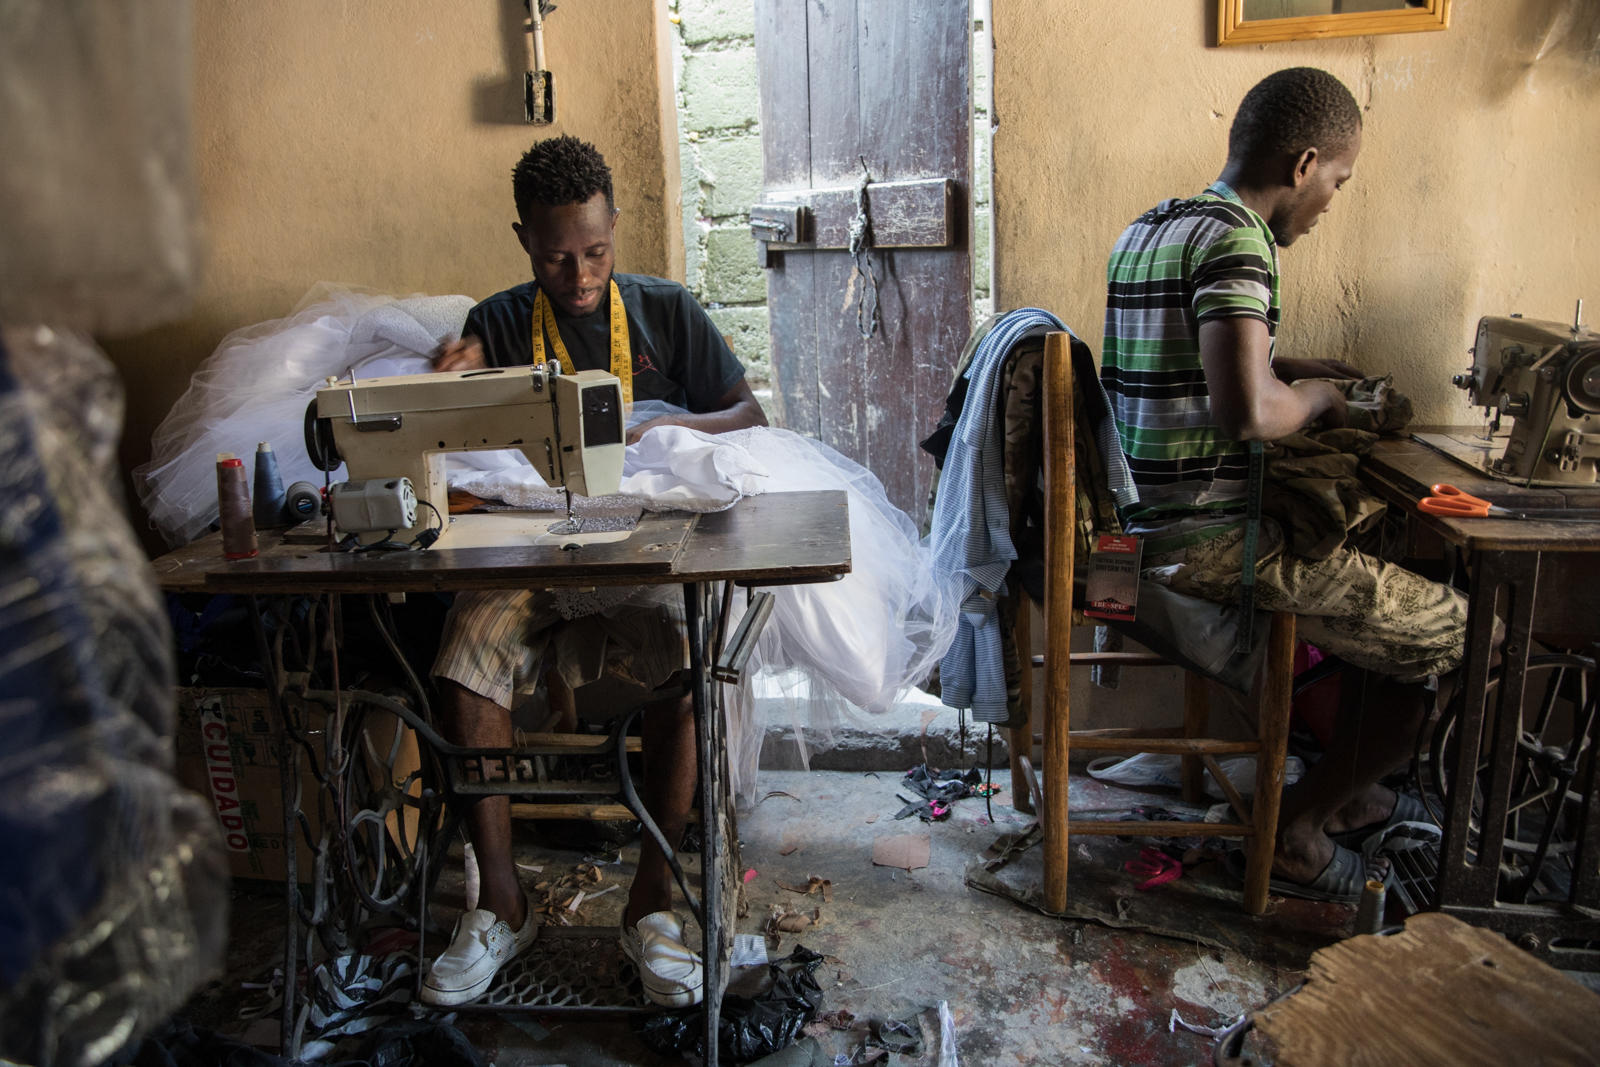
point(674, 998)
point(448, 998)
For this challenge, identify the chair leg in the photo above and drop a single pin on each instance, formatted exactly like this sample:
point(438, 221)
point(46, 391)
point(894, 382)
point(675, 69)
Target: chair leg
point(1196, 717)
point(1274, 691)
point(1055, 812)
point(1060, 468)
point(1019, 738)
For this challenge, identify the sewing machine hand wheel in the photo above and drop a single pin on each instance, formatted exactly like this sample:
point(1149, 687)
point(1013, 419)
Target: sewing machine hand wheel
point(319, 441)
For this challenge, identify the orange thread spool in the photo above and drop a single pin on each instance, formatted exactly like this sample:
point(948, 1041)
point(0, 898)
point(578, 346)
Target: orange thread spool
point(233, 508)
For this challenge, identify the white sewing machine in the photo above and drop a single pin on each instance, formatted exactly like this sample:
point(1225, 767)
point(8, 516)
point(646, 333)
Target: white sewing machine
point(1546, 376)
point(570, 426)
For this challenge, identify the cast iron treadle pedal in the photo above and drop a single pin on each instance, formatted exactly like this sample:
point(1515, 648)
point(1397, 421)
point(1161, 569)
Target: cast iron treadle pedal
point(567, 969)
point(1414, 876)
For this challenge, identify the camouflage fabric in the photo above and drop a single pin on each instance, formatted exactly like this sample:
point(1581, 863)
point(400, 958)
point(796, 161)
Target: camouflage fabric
point(1314, 493)
point(1373, 614)
point(1348, 602)
point(1376, 405)
point(1313, 489)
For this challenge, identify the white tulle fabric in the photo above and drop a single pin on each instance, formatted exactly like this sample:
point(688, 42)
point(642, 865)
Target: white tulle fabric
point(256, 385)
point(842, 648)
point(671, 468)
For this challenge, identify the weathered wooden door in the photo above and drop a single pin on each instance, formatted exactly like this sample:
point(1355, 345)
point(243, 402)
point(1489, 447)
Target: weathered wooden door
point(886, 82)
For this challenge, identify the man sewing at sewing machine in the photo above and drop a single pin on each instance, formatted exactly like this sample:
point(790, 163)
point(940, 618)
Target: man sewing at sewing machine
point(1192, 310)
point(652, 335)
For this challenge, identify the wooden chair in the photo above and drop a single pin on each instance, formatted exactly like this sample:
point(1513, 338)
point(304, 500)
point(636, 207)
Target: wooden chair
point(1257, 823)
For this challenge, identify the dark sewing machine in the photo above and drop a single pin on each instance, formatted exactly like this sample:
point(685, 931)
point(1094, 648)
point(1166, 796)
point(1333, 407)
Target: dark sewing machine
point(1546, 376)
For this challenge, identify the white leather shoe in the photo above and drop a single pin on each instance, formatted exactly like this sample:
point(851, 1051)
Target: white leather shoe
point(670, 973)
point(480, 946)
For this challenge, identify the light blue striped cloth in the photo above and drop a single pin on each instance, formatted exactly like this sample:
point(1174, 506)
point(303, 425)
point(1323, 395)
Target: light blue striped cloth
point(971, 529)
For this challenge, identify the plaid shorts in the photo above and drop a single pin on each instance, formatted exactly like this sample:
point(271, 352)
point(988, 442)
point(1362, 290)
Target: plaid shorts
point(495, 643)
point(1370, 613)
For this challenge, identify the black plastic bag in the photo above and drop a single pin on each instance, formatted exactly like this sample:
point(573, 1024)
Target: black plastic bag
point(750, 1027)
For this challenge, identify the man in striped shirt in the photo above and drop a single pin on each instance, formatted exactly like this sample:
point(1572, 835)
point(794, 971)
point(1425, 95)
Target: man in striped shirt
point(1189, 364)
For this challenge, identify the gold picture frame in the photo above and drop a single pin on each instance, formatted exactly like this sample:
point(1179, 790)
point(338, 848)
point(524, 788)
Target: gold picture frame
point(1234, 28)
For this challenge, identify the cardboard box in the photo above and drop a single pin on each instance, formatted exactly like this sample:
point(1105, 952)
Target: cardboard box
point(227, 751)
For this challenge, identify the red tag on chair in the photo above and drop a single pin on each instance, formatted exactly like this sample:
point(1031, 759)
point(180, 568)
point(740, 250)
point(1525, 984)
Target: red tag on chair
point(1112, 589)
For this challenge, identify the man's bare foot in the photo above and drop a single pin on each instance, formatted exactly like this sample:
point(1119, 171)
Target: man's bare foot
point(1304, 852)
point(1369, 809)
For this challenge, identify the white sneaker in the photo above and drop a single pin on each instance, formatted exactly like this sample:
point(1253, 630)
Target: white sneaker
point(480, 946)
point(670, 973)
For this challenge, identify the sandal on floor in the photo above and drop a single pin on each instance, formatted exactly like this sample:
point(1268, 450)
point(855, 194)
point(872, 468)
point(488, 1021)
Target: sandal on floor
point(1407, 808)
point(1340, 882)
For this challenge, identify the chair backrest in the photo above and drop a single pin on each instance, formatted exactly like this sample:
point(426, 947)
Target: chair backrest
point(1082, 463)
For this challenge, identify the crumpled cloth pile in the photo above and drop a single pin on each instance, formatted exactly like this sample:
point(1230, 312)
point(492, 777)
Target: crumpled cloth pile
point(1313, 488)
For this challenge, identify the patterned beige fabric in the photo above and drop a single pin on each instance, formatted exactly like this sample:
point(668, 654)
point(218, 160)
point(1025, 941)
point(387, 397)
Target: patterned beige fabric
point(1368, 612)
point(494, 643)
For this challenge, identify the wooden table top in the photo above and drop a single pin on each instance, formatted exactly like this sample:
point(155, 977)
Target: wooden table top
point(772, 539)
point(1403, 470)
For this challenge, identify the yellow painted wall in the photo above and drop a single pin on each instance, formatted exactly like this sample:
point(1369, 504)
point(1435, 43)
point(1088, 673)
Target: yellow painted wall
point(1475, 194)
point(371, 142)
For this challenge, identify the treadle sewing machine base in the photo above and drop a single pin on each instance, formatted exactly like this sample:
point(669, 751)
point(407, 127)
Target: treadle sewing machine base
point(579, 968)
point(568, 969)
point(1541, 580)
point(771, 540)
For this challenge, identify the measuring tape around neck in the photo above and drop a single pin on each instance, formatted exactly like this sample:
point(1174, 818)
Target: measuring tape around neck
point(1248, 550)
point(544, 326)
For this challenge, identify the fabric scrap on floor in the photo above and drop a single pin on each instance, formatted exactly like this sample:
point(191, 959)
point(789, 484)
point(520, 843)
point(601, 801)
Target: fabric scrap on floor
point(908, 852)
point(938, 790)
point(1203, 906)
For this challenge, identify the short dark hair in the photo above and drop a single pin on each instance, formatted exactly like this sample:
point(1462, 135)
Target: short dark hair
point(1290, 111)
point(558, 171)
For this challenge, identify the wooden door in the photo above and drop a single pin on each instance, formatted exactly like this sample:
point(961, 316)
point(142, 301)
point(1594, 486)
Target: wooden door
point(887, 81)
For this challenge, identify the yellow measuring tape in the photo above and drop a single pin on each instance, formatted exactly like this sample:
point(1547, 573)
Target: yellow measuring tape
point(621, 352)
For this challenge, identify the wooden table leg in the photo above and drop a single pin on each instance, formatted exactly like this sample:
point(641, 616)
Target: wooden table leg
point(708, 733)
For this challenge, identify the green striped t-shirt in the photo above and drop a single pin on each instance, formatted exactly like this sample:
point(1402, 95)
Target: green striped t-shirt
point(1177, 265)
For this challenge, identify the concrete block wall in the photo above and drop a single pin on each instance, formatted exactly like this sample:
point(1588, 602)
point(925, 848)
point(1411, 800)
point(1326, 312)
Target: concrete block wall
point(720, 162)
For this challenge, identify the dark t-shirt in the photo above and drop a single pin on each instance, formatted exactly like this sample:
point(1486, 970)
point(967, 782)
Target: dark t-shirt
point(678, 354)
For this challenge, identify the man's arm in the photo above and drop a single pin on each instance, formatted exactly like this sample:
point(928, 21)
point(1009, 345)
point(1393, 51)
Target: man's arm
point(1248, 401)
point(1292, 370)
point(737, 409)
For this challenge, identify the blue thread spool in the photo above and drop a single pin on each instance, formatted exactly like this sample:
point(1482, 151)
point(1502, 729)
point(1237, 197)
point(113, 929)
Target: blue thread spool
point(268, 494)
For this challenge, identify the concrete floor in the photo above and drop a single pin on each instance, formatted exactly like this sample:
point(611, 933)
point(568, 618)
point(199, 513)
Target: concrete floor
point(1021, 987)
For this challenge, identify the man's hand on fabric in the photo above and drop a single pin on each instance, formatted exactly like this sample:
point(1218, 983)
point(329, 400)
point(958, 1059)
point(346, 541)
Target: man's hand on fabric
point(1294, 370)
point(465, 354)
point(1333, 409)
point(636, 432)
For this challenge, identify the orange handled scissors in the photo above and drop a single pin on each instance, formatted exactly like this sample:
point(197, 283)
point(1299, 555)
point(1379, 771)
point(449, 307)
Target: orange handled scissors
point(1452, 503)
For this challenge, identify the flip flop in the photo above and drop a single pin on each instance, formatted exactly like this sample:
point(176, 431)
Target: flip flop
point(1407, 808)
point(1340, 882)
